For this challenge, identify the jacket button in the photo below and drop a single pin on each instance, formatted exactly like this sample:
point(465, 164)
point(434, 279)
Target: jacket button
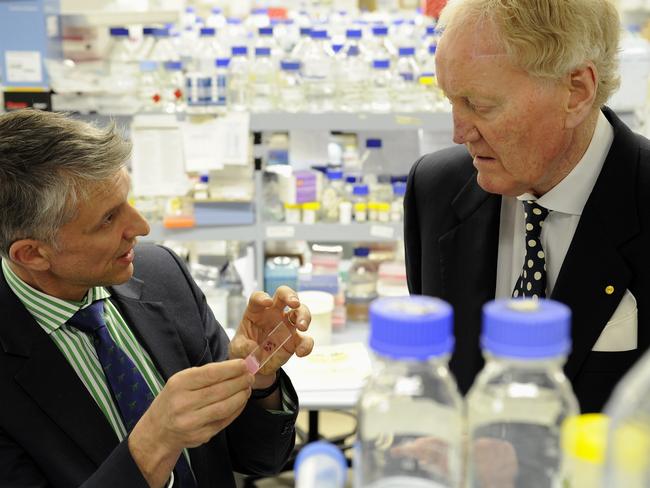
point(609, 289)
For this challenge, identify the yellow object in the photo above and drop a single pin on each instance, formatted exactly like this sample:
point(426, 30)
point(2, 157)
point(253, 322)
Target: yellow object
point(311, 206)
point(292, 206)
point(631, 446)
point(585, 437)
point(609, 290)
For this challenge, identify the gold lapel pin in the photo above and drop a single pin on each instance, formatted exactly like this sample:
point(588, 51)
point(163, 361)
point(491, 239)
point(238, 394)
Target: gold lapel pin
point(609, 289)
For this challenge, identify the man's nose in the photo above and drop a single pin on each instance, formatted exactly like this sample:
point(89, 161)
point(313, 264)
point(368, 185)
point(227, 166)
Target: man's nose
point(464, 129)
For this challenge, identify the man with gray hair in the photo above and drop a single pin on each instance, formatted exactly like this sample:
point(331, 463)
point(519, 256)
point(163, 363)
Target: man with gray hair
point(113, 370)
point(547, 195)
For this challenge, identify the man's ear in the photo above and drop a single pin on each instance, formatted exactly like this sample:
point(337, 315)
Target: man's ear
point(31, 254)
point(582, 84)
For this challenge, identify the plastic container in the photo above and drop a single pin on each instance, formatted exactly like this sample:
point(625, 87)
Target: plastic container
point(360, 202)
point(331, 196)
point(238, 73)
point(628, 454)
point(281, 271)
point(320, 305)
point(410, 411)
point(362, 285)
point(320, 465)
point(262, 81)
point(381, 87)
point(291, 97)
point(318, 73)
point(584, 440)
point(407, 92)
point(520, 399)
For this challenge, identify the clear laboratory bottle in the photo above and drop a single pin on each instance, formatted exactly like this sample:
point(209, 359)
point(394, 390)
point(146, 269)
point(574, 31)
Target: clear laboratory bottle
point(318, 73)
point(360, 202)
point(362, 285)
point(406, 87)
point(146, 45)
point(291, 97)
point(331, 196)
point(431, 95)
point(303, 45)
point(238, 79)
point(410, 413)
point(207, 49)
point(520, 399)
point(397, 205)
point(231, 281)
point(320, 464)
point(379, 46)
point(381, 86)
point(173, 86)
point(216, 19)
point(266, 39)
point(627, 462)
point(220, 84)
point(149, 87)
point(584, 442)
point(374, 164)
point(234, 34)
point(262, 81)
point(352, 75)
point(163, 49)
point(122, 65)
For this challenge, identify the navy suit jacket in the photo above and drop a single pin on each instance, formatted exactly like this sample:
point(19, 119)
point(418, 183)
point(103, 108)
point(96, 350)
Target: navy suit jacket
point(451, 231)
point(52, 434)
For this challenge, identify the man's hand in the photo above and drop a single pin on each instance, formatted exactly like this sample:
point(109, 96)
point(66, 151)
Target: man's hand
point(261, 316)
point(194, 405)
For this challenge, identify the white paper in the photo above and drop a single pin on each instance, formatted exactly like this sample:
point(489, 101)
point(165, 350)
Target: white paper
point(157, 167)
point(382, 231)
point(24, 67)
point(280, 231)
point(201, 146)
point(233, 138)
point(308, 148)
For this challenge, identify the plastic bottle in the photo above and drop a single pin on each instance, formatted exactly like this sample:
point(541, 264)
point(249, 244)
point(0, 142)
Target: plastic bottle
point(122, 66)
point(281, 270)
point(397, 205)
point(145, 47)
point(380, 46)
point(173, 85)
point(231, 281)
point(216, 19)
point(360, 202)
point(291, 97)
point(373, 162)
point(262, 86)
point(220, 85)
point(352, 75)
point(207, 49)
point(431, 96)
point(266, 39)
point(331, 196)
point(410, 411)
point(320, 465)
point(627, 462)
point(318, 74)
point(149, 87)
point(584, 441)
point(303, 44)
point(520, 399)
point(406, 88)
point(234, 34)
point(238, 79)
point(163, 49)
point(362, 285)
point(381, 86)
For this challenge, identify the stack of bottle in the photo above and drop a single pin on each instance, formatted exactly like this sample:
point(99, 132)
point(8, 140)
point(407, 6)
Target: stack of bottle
point(295, 63)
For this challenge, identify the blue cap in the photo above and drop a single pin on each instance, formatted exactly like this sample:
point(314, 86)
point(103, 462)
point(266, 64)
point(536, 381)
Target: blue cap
point(148, 66)
point(190, 9)
point(162, 32)
point(353, 51)
point(204, 178)
point(399, 188)
point(431, 30)
point(318, 34)
point(415, 327)
point(335, 174)
point(262, 51)
point(259, 11)
point(118, 31)
point(265, 31)
point(337, 47)
point(406, 51)
point(290, 65)
point(305, 31)
point(351, 178)
point(433, 48)
point(373, 143)
point(353, 33)
point(208, 31)
point(361, 252)
point(380, 30)
point(222, 62)
point(148, 31)
point(216, 10)
point(173, 65)
point(318, 450)
point(233, 21)
point(381, 64)
point(239, 50)
point(360, 190)
point(529, 329)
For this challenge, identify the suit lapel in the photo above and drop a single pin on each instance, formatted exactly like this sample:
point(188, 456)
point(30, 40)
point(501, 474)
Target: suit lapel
point(49, 380)
point(594, 260)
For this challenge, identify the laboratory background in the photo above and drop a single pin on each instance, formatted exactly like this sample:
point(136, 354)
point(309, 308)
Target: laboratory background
point(272, 141)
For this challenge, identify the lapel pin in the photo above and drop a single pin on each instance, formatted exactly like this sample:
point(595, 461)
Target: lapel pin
point(609, 289)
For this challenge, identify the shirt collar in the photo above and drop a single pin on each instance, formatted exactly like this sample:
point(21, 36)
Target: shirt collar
point(570, 195)
point(50, 312)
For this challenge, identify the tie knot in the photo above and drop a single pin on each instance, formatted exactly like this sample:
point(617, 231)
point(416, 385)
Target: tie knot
point(535, 215)
point(89, 319)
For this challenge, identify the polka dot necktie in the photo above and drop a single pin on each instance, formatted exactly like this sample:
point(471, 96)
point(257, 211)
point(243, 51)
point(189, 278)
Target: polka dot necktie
point(129, 388)
point(532, 280)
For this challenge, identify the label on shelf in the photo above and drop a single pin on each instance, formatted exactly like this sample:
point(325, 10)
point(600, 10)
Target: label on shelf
point(280, 231)
point(382, 231)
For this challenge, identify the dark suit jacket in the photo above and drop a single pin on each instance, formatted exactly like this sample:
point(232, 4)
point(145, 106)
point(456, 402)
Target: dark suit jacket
point(52, 434)
point(451, 231)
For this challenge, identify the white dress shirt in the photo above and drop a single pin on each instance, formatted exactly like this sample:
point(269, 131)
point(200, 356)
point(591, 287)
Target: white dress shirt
point(566, 200)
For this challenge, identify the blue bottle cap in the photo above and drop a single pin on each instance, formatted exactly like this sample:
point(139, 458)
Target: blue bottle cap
point(406, 51)
point(118, 32)
point(290, 65)
point(321, 448)
point(431, 30)
point(162, 32)
point(265, 31)
point(353, 33)
point(216, 10)
point(222, 62)
point(351, 178)
point(204, 178)
point(148, 31)
point(373, 143)
point(433, 48)
point(380, 30)
point(318, 34)
point(335, 174)
point(148, 66)
point(381, 64)
point(190, 9)
point(305, 31)
point(360, 190)
point(233, 21)
point(173, 65)
point(337, 47)
point(361, 252)
point(526, 329)
point(415, 327)
point(262, 51)
point(399, 188)
point(207, 31)
point(259, 11)
point(239, 51)
point(353, 51)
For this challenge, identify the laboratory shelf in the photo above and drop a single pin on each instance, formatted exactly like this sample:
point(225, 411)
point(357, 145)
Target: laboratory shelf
point(101, 17)
point(325, 232)
point(245, 233)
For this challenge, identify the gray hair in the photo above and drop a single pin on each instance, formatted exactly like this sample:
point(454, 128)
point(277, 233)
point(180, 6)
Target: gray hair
point(48, 161)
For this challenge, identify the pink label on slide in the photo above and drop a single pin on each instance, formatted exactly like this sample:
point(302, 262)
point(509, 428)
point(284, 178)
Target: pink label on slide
point(252, 364)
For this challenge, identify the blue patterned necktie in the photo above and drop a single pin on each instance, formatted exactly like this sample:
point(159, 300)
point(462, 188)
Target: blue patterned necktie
point(129, 388)
point(532, 280)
